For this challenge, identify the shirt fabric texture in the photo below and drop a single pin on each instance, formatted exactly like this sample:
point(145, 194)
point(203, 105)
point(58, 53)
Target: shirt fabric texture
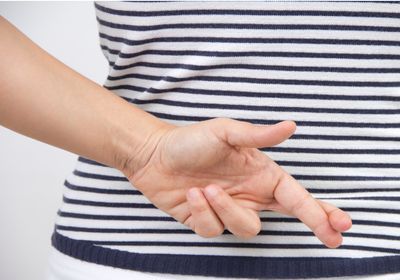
point(64, 267)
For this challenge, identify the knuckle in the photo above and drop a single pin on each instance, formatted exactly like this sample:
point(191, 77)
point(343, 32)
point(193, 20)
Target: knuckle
point(301, 203)
point(223, 120)
point(200, 207)
point(276, 173)
point(320, 228)
point(188, 221)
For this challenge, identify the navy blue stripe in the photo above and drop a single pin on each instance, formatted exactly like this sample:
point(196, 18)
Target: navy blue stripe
point(254, 54)
point(370, 210)
point(170, 219)
point(89, 161)
point(376, 223)
point(332, 151)
point(258, 80)
point(229, 93)
point(187, 231)
point(108, 204)
point(271, 121)
point(167, 231)
point(366, 1)
point(337, 164)
point(99, 176)
point(245, 12)
point(226, 266)
point(345, 178)
point(344, 137)
point(381, 198)
point(258, 67)
point(98, 190)
point(113, 217)
point(241, 93)
point(251, 40)
point(263, 108)
point(110, 51)
point(360, 190)
point(251, 26)
point(125, 230)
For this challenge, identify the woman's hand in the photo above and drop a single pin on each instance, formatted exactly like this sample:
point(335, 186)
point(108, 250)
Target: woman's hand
point(229, 179)
point(210, 176)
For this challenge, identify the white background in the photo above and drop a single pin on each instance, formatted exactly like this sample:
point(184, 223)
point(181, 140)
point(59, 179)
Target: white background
point(32, 173)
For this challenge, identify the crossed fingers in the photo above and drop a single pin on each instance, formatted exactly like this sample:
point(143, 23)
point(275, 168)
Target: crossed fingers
point(213, 210)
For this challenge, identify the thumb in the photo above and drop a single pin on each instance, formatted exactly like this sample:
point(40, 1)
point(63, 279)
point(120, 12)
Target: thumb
point(244, 134)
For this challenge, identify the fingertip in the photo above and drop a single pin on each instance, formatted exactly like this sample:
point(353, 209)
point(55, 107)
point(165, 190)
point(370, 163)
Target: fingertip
point(345, 225)
point(348, 225)
point(334, 241)
point(328, 235)
point(290, 124)
point(340, 220)
point(285, 129)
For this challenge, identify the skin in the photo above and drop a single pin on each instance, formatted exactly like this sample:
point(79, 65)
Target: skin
point(209, 175)
point(230, 181)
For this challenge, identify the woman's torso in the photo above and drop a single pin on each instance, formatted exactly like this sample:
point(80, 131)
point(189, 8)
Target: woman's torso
point(334, 68)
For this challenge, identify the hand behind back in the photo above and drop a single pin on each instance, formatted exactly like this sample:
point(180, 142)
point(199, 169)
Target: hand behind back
point(211, 176)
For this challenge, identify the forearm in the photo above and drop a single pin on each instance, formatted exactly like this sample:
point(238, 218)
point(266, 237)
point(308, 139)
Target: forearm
point(42, 98)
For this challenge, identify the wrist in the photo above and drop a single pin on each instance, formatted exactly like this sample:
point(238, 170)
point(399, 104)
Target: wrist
point(134, 141)
point(132, 158)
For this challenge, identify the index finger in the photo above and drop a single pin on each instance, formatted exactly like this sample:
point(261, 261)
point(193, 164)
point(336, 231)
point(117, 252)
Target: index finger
point(300, 203)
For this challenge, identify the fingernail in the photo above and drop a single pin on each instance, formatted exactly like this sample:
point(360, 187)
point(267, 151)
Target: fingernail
point(211, 191)
point(193, 194)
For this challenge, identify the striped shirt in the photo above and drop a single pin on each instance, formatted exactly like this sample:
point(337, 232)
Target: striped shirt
point(332, 67)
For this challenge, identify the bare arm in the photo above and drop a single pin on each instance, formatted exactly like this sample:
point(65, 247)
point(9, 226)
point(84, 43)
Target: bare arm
point(43, 98)
point(209, 175)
